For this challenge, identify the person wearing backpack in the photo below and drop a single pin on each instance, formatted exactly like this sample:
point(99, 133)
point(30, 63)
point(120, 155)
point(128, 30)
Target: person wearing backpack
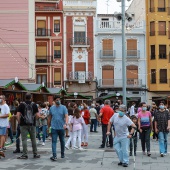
point(58, 121)
point(26, 116)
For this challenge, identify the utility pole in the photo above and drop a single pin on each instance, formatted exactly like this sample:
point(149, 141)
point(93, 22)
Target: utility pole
point(123, 53)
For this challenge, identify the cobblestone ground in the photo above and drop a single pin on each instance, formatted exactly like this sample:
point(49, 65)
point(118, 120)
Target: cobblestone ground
point(89, 159)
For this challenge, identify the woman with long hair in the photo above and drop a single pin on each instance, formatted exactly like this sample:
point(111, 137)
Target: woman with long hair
point(77, 122)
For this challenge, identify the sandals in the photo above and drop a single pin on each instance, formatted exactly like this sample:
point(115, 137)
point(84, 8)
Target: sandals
point(2, 154)
point(82, 144)
point(86, 144)
point(22, 157)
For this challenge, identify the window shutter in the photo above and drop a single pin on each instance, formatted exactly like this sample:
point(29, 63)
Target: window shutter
point(80, 66)
point(57, 76)
point(132, 72)
point(131, 44)
point(41, 51)
point(161, 3)
point(108, 44)
point(41, 24)
point(152, 26)
point(162, 26)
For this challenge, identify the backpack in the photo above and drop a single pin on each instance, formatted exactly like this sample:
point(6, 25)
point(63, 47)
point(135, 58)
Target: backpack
point(28, 114)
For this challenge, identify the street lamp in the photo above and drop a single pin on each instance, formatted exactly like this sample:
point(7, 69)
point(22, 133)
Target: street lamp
point(75, 95)
point(123, 17)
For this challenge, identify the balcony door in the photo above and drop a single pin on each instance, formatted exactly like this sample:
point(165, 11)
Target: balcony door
point(41, 77)
point(41, 53)
point(107, 47)
point(79, 35)
point(57, 76)
point(80, 71)
point(132, 75)
point(108, 75)
point(132, 48)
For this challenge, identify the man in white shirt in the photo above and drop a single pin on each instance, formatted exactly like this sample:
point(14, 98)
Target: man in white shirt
point(4, 114)
point(132, 109)
point(93, 117)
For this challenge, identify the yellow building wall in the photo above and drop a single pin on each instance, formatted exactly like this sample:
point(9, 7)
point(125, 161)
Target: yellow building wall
point(157, 40)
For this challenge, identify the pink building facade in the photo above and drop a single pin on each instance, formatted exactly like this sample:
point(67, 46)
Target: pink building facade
point(17, 39)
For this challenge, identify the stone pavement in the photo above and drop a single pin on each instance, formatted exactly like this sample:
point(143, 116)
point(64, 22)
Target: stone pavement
point(89, 159)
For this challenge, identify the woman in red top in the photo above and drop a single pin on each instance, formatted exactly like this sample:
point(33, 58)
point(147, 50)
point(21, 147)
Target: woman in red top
point(86, 115)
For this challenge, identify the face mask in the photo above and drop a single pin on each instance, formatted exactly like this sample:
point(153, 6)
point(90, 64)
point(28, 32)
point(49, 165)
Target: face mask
point(0, 101)
point(58, 102)
point(144, 108)
point(82, 107)
point(121, 114)
point(161, 107)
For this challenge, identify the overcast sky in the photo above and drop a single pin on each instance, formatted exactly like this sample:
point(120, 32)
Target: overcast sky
point(113, 6)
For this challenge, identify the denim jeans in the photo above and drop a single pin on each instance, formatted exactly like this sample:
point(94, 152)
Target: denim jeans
point(93, 123)
point(162, 136)
point(145, 139)
point(121, 146)
point(133, 144)
point(17, 138)
point(55, 133)
point(44, 131)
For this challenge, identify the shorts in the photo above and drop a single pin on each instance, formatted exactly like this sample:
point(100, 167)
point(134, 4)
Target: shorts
point(2, 131)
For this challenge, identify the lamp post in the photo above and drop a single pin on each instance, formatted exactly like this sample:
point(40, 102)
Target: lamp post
point(123, 16)
point(123, 53)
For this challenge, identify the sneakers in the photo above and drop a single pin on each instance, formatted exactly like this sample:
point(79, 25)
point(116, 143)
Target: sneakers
point(162, 155)
point(36, 156)
point(75, 147)
point(53, 158)
point(22, 157)
point(149, 154)
point(80, 148)
point(144, 153)
point(120, 163)
point(43, 144)
point(66, 147)
point(125, 165)
point(16, 151)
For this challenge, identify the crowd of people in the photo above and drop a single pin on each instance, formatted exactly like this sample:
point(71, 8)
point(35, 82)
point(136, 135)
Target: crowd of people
point(121, 127)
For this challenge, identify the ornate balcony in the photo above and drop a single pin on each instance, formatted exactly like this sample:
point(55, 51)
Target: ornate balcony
point(80, 42)
point(80, 75)
point(53, 8)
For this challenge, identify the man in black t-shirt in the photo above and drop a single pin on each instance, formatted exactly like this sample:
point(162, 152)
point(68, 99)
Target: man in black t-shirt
point(162, 127)
point(28, 129)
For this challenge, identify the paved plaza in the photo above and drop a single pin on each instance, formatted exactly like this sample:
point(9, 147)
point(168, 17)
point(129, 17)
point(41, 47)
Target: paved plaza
point(89, 159)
